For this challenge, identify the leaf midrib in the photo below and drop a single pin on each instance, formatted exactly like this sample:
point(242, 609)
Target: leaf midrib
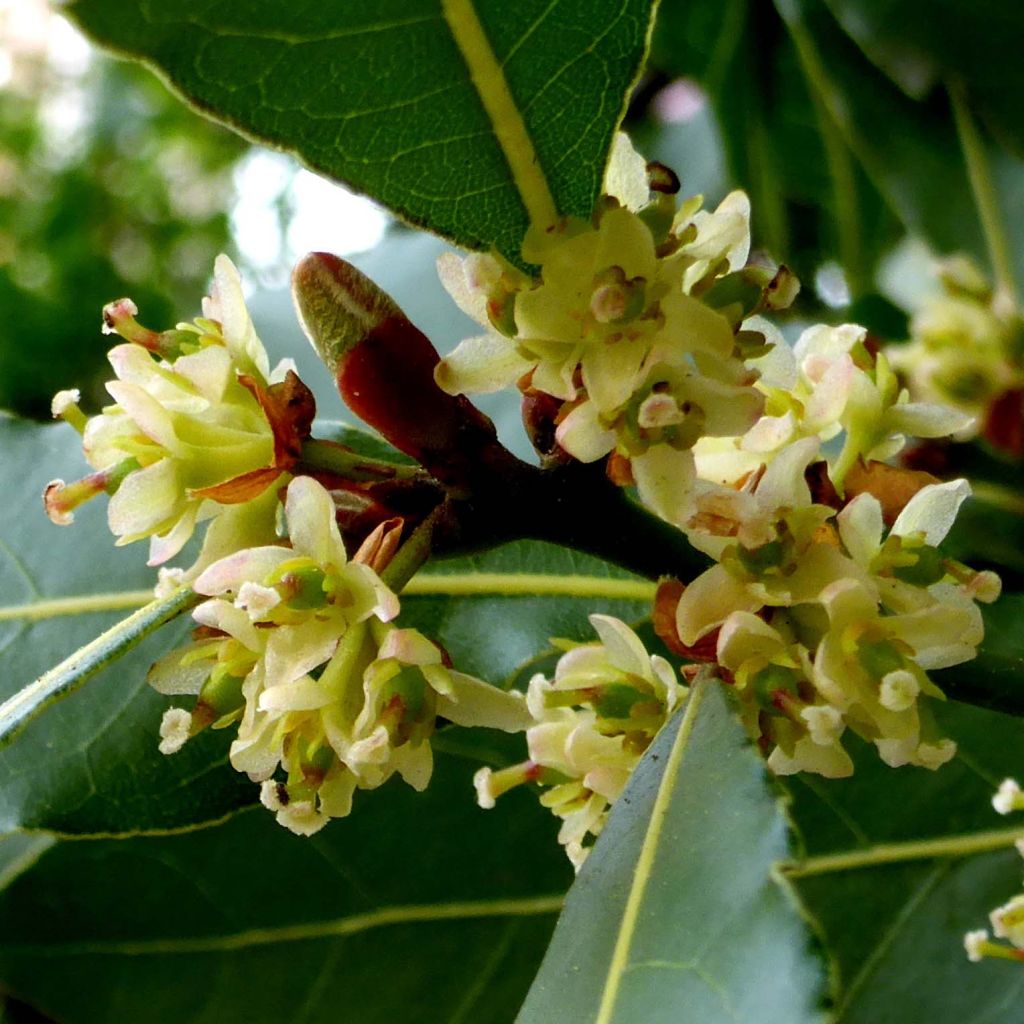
point(648, 851)
point(472, 584)
point(341, 927)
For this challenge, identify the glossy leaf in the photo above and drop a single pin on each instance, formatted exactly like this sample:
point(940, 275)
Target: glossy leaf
point(902, 862)
point(919, 45)
point(468, 626)
point(676, 915)
point(910, 150)
point(87, 764)
point(994, 678)
point(382, 96)
point(81, 665)
point(419, 908)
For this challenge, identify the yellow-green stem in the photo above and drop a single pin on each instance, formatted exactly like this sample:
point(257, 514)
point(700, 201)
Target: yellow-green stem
point(979, 173)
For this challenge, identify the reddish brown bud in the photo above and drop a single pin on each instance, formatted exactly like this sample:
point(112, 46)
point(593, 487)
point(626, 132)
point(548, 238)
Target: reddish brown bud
point(893, 486)
point(384, 368)
point(1004, 424)
point(663, 617)
point(388, 381)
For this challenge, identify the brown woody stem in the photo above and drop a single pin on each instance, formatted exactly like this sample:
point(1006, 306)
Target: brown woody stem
point(384, 367)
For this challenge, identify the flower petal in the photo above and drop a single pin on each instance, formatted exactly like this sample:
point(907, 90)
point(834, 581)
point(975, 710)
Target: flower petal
point(312, 526)
point(932, 511)
point(481, 365)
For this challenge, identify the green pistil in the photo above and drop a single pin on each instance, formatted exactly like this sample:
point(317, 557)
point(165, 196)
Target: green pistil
point(302, 584)
point(760, 560)
point(772, 681)
point(927, 569)
point(501, 311)
point(616, 700)
point(410, 688)
point(222, 692)
point(304, 589)
point(880, 658)
point(740, 289)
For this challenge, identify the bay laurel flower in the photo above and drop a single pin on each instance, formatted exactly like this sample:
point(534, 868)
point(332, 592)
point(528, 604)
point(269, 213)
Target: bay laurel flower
point(966, 346)
point(296, 647)
point(199, 423)
point(591, 723)
point(774, 677)
point(826, 620)
point(1007, 921)
point(1009, 797)
point(830, 385)
point(633, 322)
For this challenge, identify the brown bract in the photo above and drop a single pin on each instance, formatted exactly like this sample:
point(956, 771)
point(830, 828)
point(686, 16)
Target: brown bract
point(663, 616)
point(290, 409)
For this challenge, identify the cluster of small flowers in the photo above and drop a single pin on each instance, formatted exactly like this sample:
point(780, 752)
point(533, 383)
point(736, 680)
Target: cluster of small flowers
point(296, 646)
point(1007, 920)
point(830, 599)
point(636, 327)
point(826, 608)
point(590, 725)
point(826, 620)
point(201, 427)
point(966, 349)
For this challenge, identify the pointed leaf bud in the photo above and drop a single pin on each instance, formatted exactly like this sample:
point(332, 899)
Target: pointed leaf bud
point(338, 306)
point(384, 368)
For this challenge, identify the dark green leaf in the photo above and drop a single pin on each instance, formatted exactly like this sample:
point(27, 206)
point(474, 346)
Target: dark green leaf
point(902, 862)
point(922, 43)
point(80, 666)
point(987, 536)
point(676, 915)
point(469, 627)
point(995, 678)
point(88, 764)
point(909, 149)
point(380, 96)
point(418, 908)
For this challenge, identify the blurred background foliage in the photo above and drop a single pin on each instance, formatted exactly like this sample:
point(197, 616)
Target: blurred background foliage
point(834, 115)
point(108, 186)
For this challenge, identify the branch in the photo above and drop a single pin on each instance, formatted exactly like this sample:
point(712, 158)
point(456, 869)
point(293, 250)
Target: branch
point(384, 369)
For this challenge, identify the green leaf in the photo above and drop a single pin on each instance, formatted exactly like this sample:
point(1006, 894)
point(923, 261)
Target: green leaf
point(80, 666)
point(989, 535)
point(921, 43)
point(910, 150)
point(901, 863)
point(530, 592)
point(811, 202)
point(89, 764)
point(676, 915)
point(469, 120)
point(418, 908)
point(994, 678)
